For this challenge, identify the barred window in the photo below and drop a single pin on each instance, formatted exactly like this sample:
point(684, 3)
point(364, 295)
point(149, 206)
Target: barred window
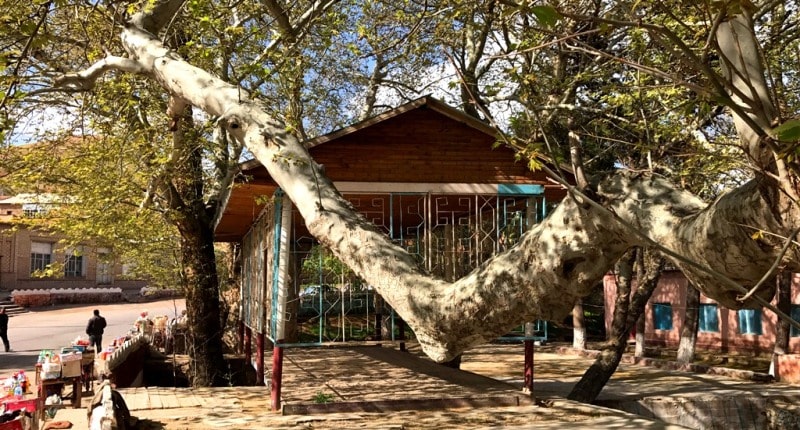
point(73, 266)
point(41, 254)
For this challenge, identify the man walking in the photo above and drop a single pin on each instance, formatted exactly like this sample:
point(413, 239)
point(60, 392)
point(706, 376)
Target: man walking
point(95, 331)
point(4, 328)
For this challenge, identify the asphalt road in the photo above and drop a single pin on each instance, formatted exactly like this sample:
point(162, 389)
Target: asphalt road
point(56, 327)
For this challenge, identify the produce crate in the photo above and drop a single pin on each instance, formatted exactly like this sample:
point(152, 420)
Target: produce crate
point(15, 405)
point(12, 425)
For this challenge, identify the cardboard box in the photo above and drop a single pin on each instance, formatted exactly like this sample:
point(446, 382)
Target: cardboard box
point(71, 369)
point(70, 365)
point(51, 370)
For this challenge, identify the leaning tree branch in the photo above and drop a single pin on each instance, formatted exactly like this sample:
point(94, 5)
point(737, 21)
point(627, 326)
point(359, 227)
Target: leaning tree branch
point(86, 80)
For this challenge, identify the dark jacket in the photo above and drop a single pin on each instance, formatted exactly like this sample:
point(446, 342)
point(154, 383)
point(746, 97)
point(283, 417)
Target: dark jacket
point(96, 325)
point(3, 322)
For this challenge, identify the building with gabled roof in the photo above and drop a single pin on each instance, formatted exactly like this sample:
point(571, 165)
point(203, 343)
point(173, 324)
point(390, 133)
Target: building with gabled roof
point(438, 182)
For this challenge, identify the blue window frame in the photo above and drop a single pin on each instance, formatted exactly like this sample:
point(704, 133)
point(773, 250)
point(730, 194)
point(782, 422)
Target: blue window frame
point(750, 321)
point(662, 316)
point(708, 318)
point(794, 332)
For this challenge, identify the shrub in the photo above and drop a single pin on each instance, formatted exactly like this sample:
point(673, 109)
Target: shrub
point(60, 296)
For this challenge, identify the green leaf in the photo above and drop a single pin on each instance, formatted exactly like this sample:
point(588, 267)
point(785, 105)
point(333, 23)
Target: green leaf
point(789, 131)
point(548, 16)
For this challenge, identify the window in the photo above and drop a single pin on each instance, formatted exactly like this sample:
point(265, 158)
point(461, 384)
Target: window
point(794, 332)
point(73, 263)
point(662, 316)
point(33, 210)
point(708, 318)
point(103, 266)
point(749, 321)
point(40, 256)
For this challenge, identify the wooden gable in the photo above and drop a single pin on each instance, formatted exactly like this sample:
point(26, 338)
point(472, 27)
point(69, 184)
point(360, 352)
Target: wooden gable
point(422, 142)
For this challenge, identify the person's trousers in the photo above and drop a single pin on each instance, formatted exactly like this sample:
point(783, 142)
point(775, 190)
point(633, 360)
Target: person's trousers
point(4, 336)
point(96, 341)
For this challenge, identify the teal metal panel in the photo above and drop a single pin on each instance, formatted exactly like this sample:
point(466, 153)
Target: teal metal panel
point(520, 189)
point(276, 260)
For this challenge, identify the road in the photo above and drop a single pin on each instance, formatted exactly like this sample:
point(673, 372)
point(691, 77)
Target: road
point(53, 328)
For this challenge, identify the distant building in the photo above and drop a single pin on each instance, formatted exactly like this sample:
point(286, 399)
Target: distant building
point(719, 328)
point(28, 253)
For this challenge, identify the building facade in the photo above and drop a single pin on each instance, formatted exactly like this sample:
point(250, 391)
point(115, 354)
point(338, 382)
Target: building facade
point(719, 328)
point(33, 259)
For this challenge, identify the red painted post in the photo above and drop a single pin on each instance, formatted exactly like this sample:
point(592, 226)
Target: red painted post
point(277, 375)
point(260, 359)
point(528, 384)
point(240, 337)
point(530, 331)
point(248, 352)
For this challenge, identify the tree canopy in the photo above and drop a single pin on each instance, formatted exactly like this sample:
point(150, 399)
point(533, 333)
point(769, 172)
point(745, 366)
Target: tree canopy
point(702, 93)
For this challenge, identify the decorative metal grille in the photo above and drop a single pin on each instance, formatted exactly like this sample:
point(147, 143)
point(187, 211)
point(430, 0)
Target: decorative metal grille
point(450, 235)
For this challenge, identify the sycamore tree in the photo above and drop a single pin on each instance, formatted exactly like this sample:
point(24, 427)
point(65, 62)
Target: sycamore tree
point(127, 156)
point(725, 247)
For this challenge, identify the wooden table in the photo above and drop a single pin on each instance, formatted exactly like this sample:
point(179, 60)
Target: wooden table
point(59, 383)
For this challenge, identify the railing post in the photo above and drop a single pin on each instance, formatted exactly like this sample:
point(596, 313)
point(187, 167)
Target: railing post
point(277, 375)
point(260, 358)
point(528, 371)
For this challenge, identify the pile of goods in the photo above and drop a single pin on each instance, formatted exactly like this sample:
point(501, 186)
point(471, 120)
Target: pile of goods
point(16, 411)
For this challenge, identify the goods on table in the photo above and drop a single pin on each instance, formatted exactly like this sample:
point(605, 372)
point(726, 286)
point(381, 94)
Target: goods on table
point(50, 364)
point(70, 364)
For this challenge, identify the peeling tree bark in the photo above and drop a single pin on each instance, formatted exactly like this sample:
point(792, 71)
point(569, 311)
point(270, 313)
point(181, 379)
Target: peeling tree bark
point(555, 263)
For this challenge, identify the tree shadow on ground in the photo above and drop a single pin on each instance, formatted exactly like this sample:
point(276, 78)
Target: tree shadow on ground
point(147, 424)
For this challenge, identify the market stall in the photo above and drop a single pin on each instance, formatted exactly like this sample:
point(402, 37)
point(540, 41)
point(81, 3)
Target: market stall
point(17, 404)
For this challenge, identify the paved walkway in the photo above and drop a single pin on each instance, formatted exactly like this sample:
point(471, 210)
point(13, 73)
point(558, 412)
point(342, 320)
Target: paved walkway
point(372, 387)
point(369, 387)
point(382, 388)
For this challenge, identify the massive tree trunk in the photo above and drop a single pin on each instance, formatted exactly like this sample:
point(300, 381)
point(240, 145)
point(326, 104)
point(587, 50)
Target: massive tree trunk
point(555, 263)
point(202, 304)
point(691, 318)
point(194, 218)
point(640, 347)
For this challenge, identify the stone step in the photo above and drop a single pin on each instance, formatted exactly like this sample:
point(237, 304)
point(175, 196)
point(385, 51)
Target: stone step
point(11, 308)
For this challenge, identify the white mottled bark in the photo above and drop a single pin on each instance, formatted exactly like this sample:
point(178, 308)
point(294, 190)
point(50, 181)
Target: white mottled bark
point(743, 68)
point(578, 326)
point(639, 348)
point(557, 262)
